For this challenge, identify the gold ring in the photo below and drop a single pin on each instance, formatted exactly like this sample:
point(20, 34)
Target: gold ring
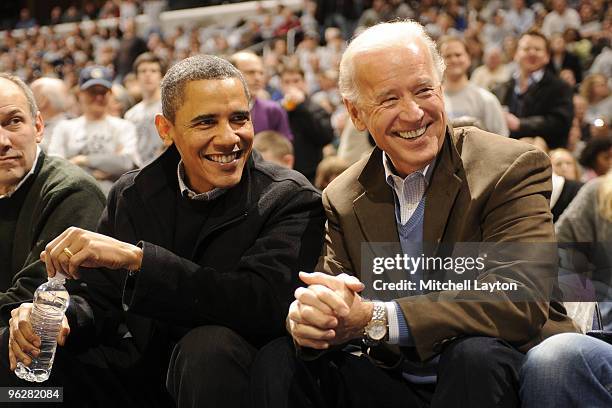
point(68, 253)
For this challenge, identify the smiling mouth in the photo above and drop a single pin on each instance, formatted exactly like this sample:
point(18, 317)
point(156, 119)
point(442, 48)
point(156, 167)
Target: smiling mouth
point(411, 134)
point(224, 158)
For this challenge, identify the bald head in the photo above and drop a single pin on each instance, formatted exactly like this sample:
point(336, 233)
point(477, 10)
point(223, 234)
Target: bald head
point(251, 67)
point(386, 36)
point(51, 96)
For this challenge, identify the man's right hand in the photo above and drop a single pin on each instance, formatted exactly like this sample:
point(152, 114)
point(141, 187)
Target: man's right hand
point(328, 311)
point(77, 247)
point(23, 340)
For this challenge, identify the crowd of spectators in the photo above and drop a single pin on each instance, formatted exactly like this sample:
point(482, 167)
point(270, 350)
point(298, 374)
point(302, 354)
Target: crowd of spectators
point(87, 11)
point(310, 40)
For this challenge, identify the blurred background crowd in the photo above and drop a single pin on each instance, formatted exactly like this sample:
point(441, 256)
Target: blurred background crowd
point(289, 53)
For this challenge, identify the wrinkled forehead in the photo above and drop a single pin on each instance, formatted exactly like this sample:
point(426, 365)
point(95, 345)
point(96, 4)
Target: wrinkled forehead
point(412, 60)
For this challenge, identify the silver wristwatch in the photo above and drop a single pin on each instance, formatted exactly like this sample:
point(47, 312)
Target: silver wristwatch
point(377, 329)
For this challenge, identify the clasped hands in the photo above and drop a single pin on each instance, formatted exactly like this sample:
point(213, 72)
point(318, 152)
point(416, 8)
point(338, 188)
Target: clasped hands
point(329, 311)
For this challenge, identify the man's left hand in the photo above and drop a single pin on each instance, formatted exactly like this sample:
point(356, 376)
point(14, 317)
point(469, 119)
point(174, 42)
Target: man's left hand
point(513, 122)
point(350, 323)
point(101, 175)
point(79, 160)
point(77, 247)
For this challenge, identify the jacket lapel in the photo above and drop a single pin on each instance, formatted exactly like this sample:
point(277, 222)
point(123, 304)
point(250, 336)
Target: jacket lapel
point(231, 207)
point(443, 188)
point(375, 207)
point(534, 90)
point(153, 189)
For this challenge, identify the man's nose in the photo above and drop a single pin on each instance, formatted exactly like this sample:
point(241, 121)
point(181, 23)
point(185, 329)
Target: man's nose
point(227, 136)
point(411, 110)
point(5, 142)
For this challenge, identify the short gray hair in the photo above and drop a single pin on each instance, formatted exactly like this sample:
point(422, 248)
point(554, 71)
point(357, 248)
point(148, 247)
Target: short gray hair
point(26, 91)
point(382, 36)
point(54, 89)
point(196, 68)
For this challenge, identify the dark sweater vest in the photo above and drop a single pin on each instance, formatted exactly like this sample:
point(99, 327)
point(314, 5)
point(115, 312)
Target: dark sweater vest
point(9, 213)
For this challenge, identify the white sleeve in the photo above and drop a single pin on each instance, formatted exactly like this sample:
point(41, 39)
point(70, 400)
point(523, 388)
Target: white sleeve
point(494, 119)
point(129, 142)
point(574, 19)
point(546, 26)
point(57, 146)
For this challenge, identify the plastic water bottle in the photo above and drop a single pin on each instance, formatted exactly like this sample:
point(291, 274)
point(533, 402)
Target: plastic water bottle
point(50, 303)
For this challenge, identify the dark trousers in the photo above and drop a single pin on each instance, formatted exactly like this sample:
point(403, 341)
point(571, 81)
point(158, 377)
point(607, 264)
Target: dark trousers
point(99, 376)
point(472, 372)
point(210, 367)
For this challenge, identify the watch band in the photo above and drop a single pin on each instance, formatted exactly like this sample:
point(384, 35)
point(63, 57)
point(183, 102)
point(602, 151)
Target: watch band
point(378, 324)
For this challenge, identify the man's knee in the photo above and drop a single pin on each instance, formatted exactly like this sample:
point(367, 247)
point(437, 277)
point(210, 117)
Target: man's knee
point(480, 354)
point(561, 353)
point(279, 352)
point(205, 346)
point(278, 356)
point(210, 363)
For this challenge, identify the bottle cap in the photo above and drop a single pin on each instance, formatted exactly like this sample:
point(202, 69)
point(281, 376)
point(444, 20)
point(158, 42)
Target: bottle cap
point(58, 277)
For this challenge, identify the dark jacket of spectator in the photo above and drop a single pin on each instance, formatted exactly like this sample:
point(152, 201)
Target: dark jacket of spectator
point(346, 8)
point(311, 126)
point(571, 62)
point(129, 49)
point(568, 192)
point(545, 109)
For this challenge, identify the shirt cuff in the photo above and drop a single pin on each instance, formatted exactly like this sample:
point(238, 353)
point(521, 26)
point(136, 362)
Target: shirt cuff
point(399, 332)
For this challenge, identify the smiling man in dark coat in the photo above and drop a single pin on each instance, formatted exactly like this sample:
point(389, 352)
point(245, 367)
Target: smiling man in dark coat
point(202, 247)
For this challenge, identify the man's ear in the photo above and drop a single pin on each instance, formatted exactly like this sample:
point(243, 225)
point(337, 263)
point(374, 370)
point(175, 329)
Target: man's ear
point(354, 113)
point(164, 128)
point(39, 124)
point(289, 160)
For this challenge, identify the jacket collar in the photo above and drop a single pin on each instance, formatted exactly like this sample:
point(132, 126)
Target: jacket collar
point(533, 87)
point(156, 187)
point(446, 181)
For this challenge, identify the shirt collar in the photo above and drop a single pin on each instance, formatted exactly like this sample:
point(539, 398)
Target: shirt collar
point(392, 178)
point(192, 195)
point(534, 78)
point(557, 187)
point(27, 176)
point(408, 191)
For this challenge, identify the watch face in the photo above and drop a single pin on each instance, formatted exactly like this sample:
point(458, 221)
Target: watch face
point(377, 331)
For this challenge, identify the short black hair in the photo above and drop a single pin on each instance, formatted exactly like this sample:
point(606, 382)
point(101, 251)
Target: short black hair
point(196, 68)
point(588, 156)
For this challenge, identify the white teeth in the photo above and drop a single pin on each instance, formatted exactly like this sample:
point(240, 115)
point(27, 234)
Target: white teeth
point(222, 158)
point(412, 133)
